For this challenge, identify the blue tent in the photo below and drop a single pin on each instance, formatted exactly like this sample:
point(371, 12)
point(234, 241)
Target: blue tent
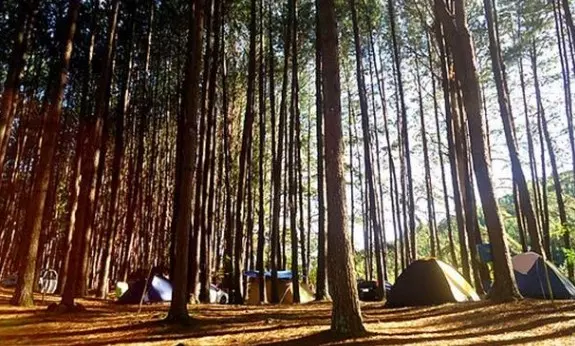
point(159, 289)
point(531, 275)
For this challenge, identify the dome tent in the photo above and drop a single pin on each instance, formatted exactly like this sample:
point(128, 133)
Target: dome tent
point(284, 288)
point(158, 289)
point(531, 272)
point(429, 282)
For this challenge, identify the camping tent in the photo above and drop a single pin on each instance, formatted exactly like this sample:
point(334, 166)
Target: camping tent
point(429, 282)
point(531, 275)
point(158, 289)
point(285, 285)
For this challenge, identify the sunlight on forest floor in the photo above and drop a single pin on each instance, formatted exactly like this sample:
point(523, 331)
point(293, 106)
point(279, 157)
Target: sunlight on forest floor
point(530, 321)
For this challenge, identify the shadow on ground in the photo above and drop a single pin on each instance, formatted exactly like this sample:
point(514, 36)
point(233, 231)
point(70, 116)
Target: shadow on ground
point(104, 323)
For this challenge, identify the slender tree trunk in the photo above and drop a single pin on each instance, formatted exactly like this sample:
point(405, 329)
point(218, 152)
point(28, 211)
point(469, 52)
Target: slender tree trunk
point(121, 111)
point(16, 66)
point(447, 86)
point(261, 159)
point(178, 312)
point(453, 257)
point(504, 287)
point(52, 108)
point(206, 218)
point(321, 289)
point(346, 312)
point(498, 68)
point(531, 148)
point(294, 156)
point(245, 150)
point(277, 164)
point(433, 243)
point(369, 175)
point(571, 35)
point(554, 170)
point(404, 133)
point(544, 200)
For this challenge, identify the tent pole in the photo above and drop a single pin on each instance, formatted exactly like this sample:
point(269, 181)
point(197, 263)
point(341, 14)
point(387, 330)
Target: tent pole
point(145, 289)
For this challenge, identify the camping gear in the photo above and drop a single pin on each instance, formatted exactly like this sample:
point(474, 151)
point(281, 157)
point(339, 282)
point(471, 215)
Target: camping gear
point(531, 273)
point(284, 289)
point(9, 281)
point(156, 289)
point(217, 295)
point(429, 282)
point(369, 291)
point(48, 281)
point(121, 288)
point(484, 251)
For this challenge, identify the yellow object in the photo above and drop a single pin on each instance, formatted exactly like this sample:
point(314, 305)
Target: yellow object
point(460, 288)
point(285, 292)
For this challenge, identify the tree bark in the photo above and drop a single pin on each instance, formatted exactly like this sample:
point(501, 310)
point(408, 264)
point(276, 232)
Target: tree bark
point(346, 312)
point(16, 66)
point(498, 68)
point(121, 111)
point(321, 289)
point(51, 109)
point(244, 154)
point(369, 175)
point(504, 287)
point(187, 132)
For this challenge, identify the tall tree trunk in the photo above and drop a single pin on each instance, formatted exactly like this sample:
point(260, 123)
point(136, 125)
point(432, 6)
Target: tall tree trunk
point(321, 289)
point(294, 156)
point(51, 110)
point(244, 154)
point(82, 234)
point(498, 68)
point(447, 86)
point(544, 200)
point(504, 287)
point(16, 65)
point(74, 183)
point(531, 147)
point(206, 218)
point(554, 170)
point(346, 312)
point(392, 175)
point(277, 164)
point(404, 133)
point(433, 242)
point(187, 132)
point(261, 159)
point(369, 175)
point(121, 111)
point(571, 32)
point(453, 257)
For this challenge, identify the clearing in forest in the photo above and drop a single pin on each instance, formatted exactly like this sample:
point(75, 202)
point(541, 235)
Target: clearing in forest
point(526, 322)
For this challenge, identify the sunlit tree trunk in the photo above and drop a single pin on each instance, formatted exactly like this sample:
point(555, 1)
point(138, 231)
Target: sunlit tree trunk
point(504, 287)
point(554, 170)
point(498, 68)
point(346, 313)
point(369, 174)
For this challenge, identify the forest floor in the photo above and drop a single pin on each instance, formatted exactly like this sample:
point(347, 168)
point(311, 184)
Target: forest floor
point(526, 322)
